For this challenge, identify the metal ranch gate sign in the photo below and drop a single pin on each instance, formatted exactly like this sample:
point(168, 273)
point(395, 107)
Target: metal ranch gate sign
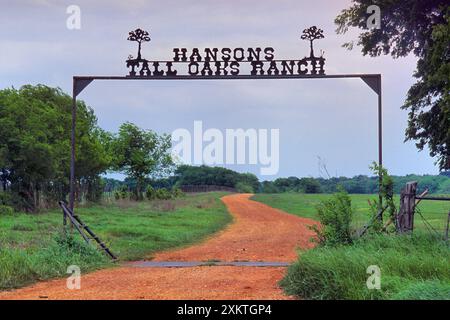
point(222, 64)
point(215, 62)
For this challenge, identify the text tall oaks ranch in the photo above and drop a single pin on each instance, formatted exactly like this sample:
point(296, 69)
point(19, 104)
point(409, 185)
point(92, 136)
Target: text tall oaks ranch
point(225, 62)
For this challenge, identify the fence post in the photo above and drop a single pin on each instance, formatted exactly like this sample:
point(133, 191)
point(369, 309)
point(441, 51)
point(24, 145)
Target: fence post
point(405, 217)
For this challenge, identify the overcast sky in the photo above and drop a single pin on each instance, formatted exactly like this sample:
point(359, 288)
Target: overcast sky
point(333, 119)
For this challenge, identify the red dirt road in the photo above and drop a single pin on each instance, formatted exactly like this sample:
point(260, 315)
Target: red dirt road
point(258, 233)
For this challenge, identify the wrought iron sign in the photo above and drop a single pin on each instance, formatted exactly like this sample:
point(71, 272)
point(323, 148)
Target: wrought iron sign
point(220, 62)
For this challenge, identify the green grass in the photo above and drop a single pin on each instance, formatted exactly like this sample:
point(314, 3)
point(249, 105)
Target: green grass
point(304, 205)
point(412, 266)
point(31, 248)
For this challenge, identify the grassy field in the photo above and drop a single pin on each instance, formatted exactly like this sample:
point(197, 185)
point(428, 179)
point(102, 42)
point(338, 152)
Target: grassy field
point(412, 266)
point(304, 205)
point(32, 249)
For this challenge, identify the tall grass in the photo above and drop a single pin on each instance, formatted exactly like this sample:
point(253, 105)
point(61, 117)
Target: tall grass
point(22, 266)
point(412, 267)
point(30, 249)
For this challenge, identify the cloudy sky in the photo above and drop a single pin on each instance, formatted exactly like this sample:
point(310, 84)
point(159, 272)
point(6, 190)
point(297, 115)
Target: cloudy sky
point(331, 119)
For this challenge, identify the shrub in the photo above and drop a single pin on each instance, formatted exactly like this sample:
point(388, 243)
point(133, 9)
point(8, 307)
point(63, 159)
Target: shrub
point(244, 188)
point(163, 194)
point(150, 193)
point(335, 216)
point(5, 198)
point(6, 210)
point(177, 192)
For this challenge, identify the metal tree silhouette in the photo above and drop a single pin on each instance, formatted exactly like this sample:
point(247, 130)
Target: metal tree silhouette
point(311, 34)
point(139, 36)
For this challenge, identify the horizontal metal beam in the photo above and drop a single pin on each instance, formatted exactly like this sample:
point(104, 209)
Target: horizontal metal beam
point(229, 77)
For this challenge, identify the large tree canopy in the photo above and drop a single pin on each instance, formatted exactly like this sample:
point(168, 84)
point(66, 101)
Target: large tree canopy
point(422, 28)
point(35, 145)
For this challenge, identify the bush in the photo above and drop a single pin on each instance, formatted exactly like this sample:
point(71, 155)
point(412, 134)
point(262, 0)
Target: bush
point(150, 193)
point(5, 198)
point(122, 193)
point(177, 192)
point(410, 265)
point(163, 194)
point(335, 216)
point(244, 188)
point(6, 210)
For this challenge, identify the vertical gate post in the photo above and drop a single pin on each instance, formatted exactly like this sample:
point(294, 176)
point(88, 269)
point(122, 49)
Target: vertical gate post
point(380, 146)
point(72, 152)
point(405, 217)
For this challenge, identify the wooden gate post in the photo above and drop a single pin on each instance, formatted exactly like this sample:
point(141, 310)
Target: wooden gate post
point(405, 217)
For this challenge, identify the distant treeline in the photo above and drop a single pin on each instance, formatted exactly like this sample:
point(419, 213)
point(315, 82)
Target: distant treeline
point(185, 175)
point(246, 182)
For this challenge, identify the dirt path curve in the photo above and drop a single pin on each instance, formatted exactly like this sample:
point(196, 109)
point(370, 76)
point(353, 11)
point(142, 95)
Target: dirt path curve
point(258, 233)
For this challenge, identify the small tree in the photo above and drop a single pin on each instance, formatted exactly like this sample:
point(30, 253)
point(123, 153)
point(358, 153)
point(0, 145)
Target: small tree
point(141, 153)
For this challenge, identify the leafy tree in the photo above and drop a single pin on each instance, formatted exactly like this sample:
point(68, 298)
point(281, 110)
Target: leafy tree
point(422, 28)
point(141, 153)
point(35, 124)
point(249, 180)
point(309, 185)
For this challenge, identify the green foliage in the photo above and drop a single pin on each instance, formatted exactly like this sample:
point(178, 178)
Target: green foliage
point(425, 290)
point(292, 184)
point(425, 31)
point(177, 192)
point(386, 191)
point(360, 184)
point(309, 185)
point(5, 198)
point(150, 193)
point(163, 194)
point(6, 209)
point(244, 188)
point(35, 124)
point(217, 176)
point(140, 153)
point(20, 267)
point(406, 262)
point(335, 216)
